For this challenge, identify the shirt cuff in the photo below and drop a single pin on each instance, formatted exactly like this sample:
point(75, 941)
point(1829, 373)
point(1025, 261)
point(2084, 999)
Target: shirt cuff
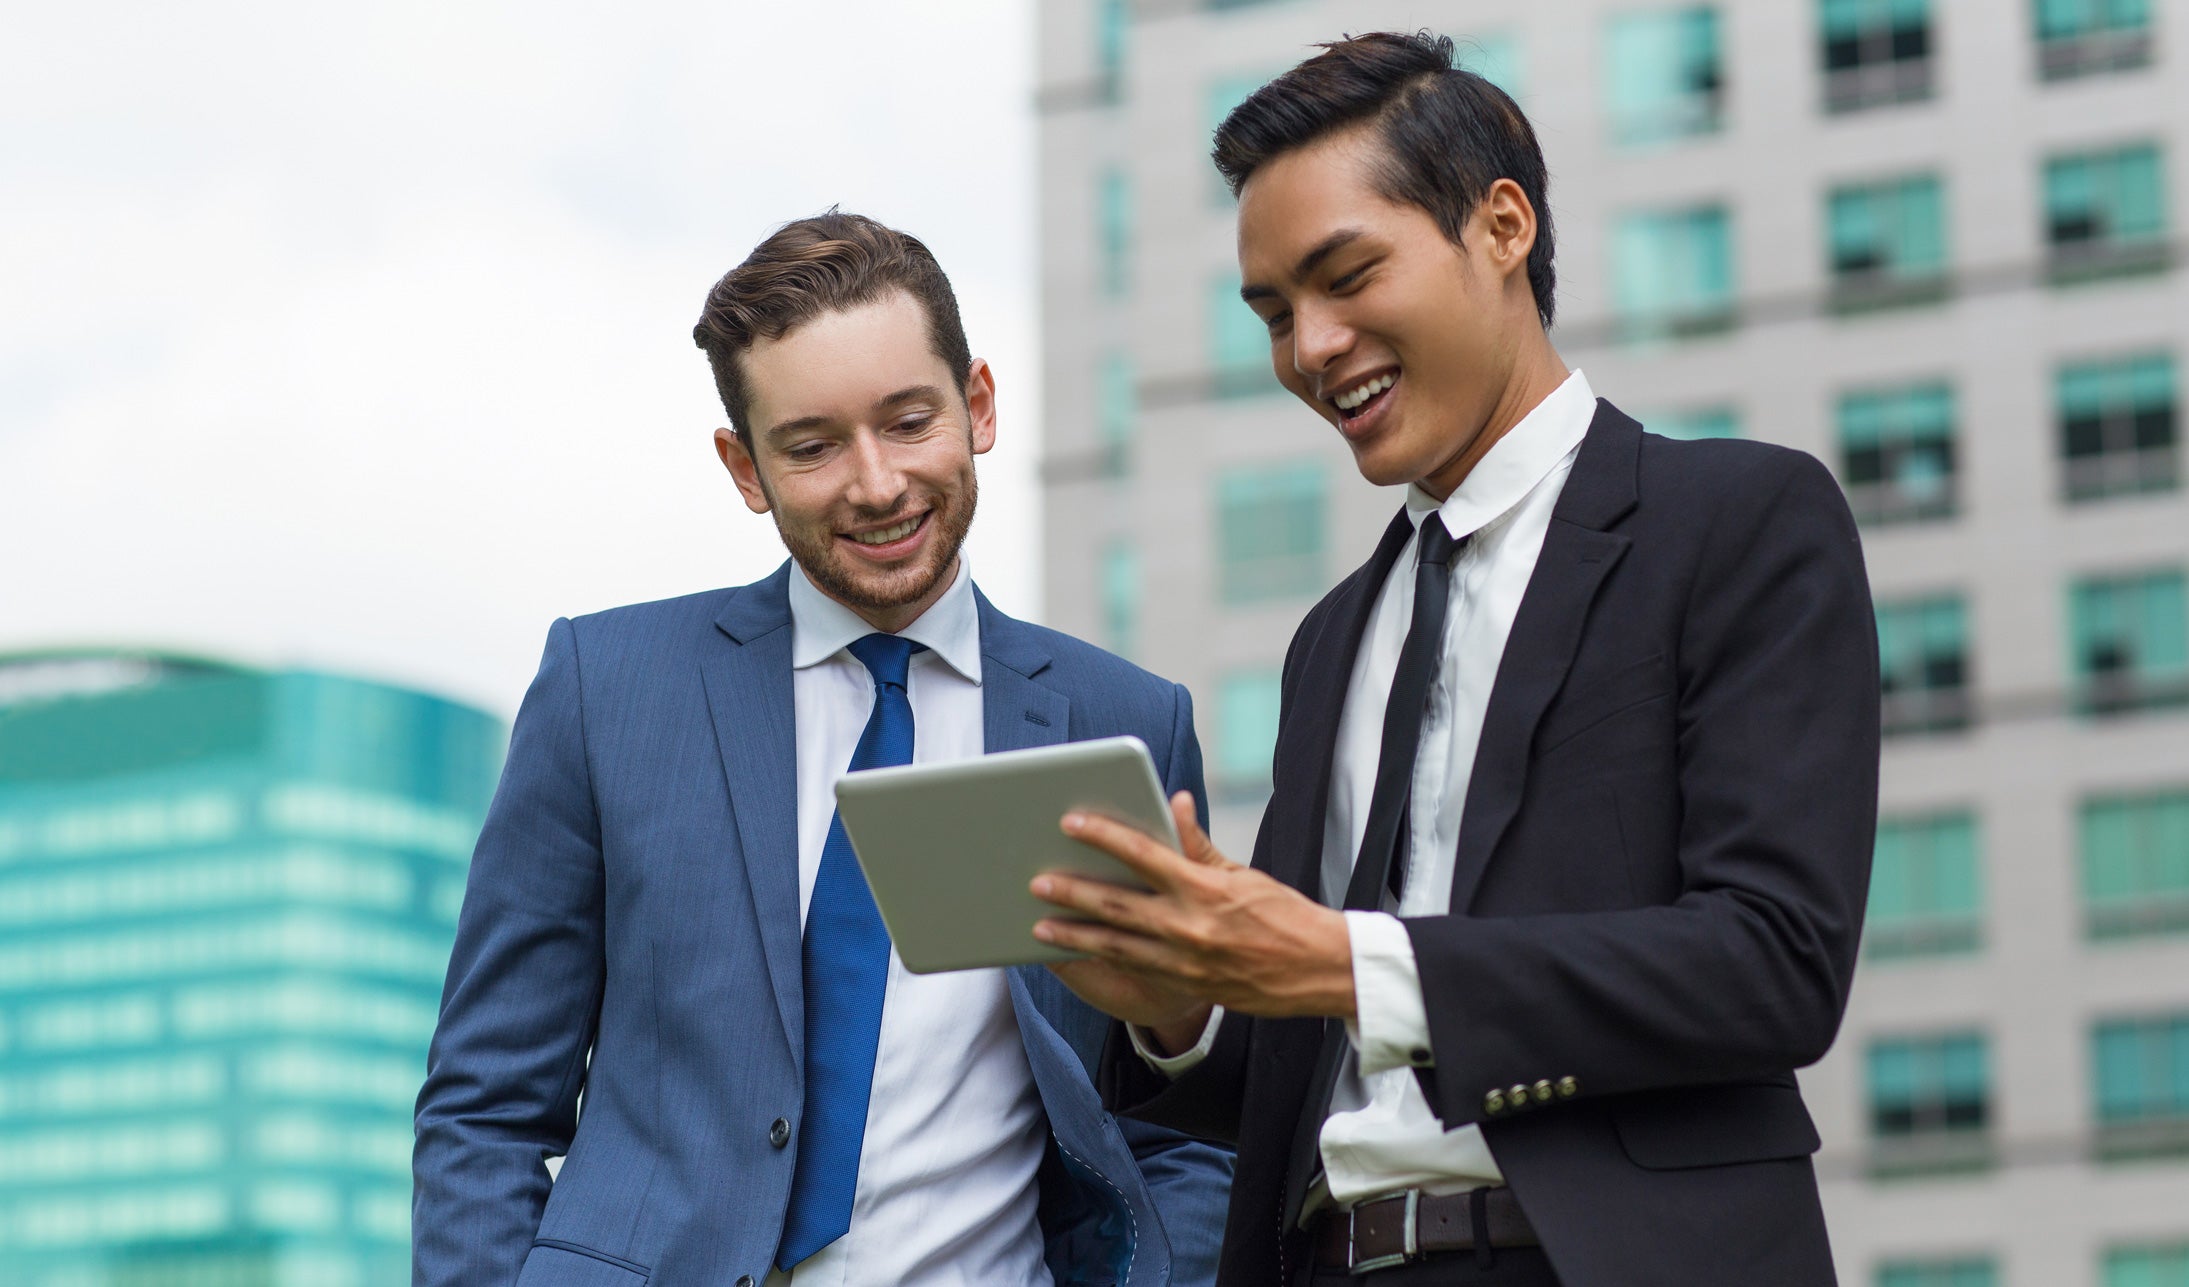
point(1391, 1027)
point(1178, 1065)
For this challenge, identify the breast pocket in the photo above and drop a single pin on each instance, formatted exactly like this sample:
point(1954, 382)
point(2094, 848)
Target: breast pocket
point(1596, 700)
point(567, 1265)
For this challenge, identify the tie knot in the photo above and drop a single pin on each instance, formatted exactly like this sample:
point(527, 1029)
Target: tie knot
point(888, 657)
point(1436, 543)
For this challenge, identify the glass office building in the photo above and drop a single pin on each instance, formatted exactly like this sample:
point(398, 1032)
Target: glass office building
point(226, 903)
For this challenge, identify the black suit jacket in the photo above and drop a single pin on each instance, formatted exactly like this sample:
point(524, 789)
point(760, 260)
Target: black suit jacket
point(1660, 879)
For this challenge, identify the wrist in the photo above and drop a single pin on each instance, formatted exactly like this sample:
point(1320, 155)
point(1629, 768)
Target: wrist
point(1180, 1035)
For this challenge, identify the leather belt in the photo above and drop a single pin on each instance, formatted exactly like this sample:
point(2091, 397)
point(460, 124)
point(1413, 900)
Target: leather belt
point(1393, 1231)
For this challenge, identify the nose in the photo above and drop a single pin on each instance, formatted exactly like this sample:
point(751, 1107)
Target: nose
point(1318, 340)
point(877, 480)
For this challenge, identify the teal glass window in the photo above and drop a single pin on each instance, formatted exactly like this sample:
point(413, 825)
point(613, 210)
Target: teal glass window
point(2135, 853)
point(1113, 19)
point(1692, 423)
point(2155, 1266)
point(1897, 452)
point(1874, 52)
point(2142, 1083)
point(2119, 427)
point(1889, 233)
point(2129, 638)
point(2084, 37)
point(1113, 197)
point(1120, 598)
point(1666, 78)
point(1270, 532)
point(1672, 270)
point(1923, 653)
point(2106, 207)
point(1496, 59)
point(1925, 895)
point(1246, 731)
point(1238, 343)
point(1961, 1272)
point(1117, 401)
point(1929, 1096)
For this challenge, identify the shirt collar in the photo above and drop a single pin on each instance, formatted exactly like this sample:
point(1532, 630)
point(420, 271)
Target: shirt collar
point(821, 627)
point(1515, 464)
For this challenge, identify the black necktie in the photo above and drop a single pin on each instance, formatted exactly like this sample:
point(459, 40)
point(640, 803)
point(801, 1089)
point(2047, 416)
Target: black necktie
point(1382, 859)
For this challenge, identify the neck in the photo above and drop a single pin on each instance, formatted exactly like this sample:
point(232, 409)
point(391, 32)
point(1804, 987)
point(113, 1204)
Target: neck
point(1536, 374)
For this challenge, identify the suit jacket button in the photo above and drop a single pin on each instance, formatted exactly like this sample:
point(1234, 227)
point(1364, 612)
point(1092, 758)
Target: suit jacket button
point(1518, 1095)
point(1568, 1088)
point(779, 1133)
point(1418, 1055)
point(1494, 1102)
point(1542, 1091)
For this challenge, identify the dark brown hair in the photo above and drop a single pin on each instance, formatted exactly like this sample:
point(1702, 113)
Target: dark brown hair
point(813, 266)
point(1447, 133)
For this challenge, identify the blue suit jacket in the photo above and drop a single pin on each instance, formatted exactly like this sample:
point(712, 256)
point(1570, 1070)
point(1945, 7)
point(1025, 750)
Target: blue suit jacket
point(631, 930)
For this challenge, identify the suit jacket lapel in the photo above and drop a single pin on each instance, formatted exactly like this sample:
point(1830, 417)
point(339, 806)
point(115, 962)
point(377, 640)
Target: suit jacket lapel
point(750, 695)
point(1577, 554)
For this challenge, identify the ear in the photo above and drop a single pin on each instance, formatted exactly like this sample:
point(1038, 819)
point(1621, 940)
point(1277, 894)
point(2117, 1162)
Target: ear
point(742, 469)
point(1505, 227)
point(980, 404)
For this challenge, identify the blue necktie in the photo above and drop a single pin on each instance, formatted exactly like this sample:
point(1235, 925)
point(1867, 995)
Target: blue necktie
point(846, 969)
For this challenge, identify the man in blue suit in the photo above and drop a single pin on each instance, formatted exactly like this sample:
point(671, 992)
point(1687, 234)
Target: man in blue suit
point(663, 913)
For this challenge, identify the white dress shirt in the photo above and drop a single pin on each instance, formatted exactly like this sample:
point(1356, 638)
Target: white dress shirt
point(955, 1130)
point(1381, 1136)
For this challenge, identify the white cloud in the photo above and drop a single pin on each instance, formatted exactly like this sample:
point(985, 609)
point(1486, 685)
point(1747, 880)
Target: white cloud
point(358, 337)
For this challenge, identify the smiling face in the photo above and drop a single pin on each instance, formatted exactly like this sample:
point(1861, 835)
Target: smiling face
point(1404, 342)
point(862, 450)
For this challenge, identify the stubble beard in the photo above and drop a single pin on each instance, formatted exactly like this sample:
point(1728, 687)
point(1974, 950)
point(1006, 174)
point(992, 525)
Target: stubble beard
point(833, 574)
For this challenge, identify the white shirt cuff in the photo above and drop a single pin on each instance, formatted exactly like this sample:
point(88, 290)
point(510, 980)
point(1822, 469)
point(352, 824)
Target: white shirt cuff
point(1391, 1027)
point(1178, 1065)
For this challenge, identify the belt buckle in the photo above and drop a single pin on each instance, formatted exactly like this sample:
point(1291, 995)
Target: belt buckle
point(1409, 1235)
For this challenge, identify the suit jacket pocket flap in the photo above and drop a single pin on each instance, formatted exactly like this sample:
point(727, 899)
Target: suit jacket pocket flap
point(567, 1265)
point(1715, 1126)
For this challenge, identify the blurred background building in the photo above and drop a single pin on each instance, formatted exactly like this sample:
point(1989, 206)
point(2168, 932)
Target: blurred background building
point(1935, 243)
point(226, 903)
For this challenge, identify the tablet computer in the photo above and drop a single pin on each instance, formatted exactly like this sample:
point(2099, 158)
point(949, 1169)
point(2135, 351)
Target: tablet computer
point(948, 849)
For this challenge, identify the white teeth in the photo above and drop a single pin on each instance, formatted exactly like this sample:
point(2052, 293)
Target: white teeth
point(1352, 398)
point(887, 534)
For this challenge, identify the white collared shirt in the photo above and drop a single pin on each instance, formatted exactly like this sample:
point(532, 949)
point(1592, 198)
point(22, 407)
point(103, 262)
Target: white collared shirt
point(955, 1131)
point(1381, 1135)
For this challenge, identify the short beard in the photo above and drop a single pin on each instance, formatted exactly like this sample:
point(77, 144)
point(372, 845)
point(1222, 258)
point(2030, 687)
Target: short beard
point(826, 567)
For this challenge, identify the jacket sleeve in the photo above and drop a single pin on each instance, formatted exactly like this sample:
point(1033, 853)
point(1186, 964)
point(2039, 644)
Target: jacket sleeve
point(1746, 972)
point(522, 1000)
point(1189, 1179)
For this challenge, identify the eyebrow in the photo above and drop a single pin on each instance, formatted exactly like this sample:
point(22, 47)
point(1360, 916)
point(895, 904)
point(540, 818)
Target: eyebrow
point(910, 393)
point(1322, 250)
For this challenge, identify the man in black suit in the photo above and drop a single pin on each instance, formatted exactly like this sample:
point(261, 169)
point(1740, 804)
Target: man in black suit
point(1575, 779)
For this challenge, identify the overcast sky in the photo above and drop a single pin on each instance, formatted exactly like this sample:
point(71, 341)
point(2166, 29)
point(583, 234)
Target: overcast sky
point(358, 336)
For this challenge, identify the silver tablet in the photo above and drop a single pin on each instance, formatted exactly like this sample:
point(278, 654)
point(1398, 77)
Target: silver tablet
point(948, 849)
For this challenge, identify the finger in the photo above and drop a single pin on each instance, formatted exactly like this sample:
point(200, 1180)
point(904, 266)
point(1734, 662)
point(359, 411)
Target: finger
point(1148, 858)
point(1194, 841)
point(1111, 904)
point(1135, 953)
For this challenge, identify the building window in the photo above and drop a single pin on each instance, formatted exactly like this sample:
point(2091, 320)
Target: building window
point(1888, 241)
point(1962, 1272)
point(1120, 598)
point(2082, 37)
point(1269, 532)
point(2118, 427)
point(2143, 1084)
point(1496, 59)
point(2130, 637)
point(1117, 402)
point(1113, 19)
point(1923, 652)
point(2158, 1266)
point(1246, 733)
point(1897, 452)
point(1239, 363)
point(2136, 864)
point(1691, 423)
point(1875, 52)
point(1114, 197)
point(2105, 211)
point(1930, 1101)
point(1673, 271)
point(1924, 895)
point(1666, 78)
